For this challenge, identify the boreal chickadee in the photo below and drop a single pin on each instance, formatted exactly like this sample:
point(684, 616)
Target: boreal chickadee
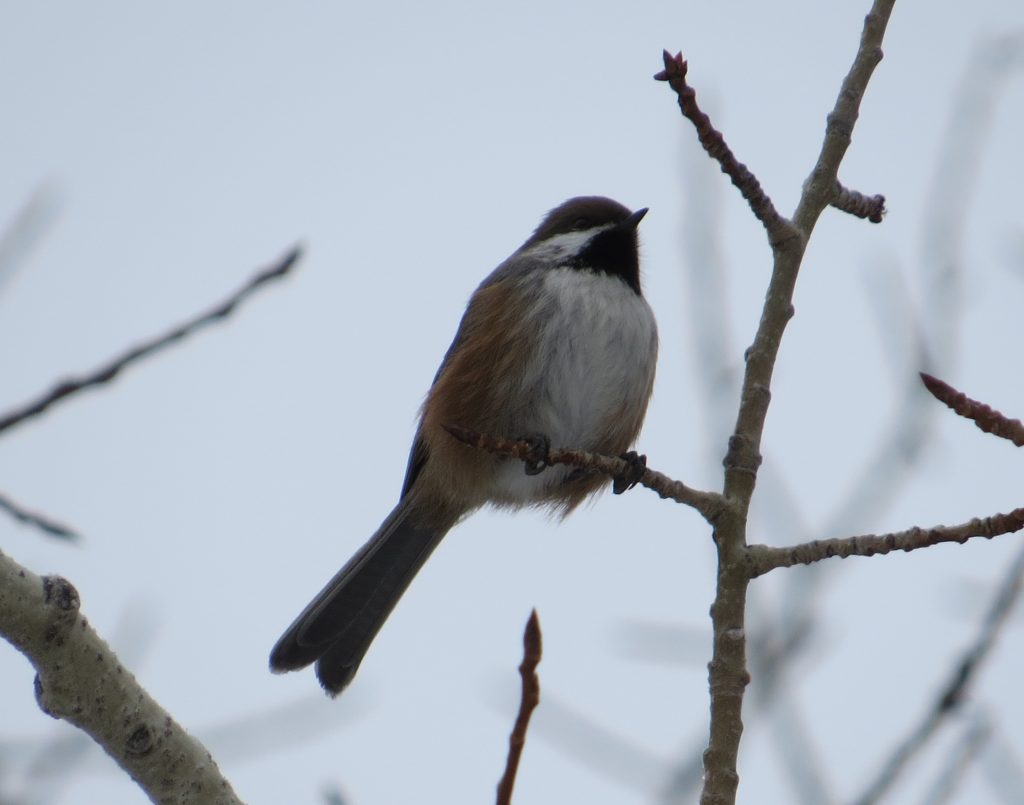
point(557, 342)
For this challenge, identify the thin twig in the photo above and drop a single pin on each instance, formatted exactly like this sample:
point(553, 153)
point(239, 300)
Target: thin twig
point(708, 504)
point(529, 701)
point(850, 201)
point(40, 521)
point(986, 418)
point(110, 370)
point(765, 558)
point(954, 691)
point(714, 143)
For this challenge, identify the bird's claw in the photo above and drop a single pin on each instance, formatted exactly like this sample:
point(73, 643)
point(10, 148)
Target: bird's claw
point(637, 465)
point(537, 457)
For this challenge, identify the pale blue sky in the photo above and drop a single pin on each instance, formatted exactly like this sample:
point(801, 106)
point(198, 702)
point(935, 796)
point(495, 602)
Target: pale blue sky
point(411, 147)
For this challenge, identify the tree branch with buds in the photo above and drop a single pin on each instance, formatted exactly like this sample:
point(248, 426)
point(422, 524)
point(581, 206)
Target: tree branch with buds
point(709, 504)
point(529, 699)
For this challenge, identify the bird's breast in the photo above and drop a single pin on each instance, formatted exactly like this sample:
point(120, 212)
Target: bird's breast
point(589, 377)
point(595, 360)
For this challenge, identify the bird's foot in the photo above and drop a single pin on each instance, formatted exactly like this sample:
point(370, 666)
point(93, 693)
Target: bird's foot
point(537, 457)
point(634, 472)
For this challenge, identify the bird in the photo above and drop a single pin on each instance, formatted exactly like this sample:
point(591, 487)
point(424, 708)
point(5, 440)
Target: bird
point(557, 345)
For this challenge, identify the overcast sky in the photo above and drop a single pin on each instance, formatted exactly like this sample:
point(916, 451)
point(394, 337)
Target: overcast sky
point(175, 148)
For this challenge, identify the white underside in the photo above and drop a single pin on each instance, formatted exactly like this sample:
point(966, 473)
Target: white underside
point(599, 352)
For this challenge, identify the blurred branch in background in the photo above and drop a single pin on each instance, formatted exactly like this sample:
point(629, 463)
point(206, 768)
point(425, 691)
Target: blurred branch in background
point(974, 735)
point(954, 692)
point(1001, 767)
point(706, 304)
point(25, 231)
point(575, 733)
point(68, 388)
point(40, 521)
point(110, 370)
point(333, 796)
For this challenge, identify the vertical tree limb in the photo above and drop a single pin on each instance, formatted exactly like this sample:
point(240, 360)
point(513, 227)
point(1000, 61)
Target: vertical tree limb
point(953, 692)
point(728, 675)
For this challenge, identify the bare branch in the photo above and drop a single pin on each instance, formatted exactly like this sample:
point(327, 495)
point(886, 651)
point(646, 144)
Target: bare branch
point(728, 675)
point(765, 558)
point(988, 419)
point(708, 504)
point(26, 229)
point(529, 701)
point(714, 143)
point(110, 370)
point(820, 187)
point(954, 691)
point(870, 207)
point(963, 755)
point(79, 680)
point(1001, 767)
point(40, 521)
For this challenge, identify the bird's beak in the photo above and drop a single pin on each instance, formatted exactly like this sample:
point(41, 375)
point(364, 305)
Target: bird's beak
point(634, 220)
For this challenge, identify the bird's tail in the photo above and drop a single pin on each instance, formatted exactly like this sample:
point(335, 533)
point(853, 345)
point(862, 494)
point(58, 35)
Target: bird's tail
point(337, 626)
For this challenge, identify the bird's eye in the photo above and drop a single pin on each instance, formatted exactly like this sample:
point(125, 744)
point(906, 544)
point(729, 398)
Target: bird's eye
point(582, 223)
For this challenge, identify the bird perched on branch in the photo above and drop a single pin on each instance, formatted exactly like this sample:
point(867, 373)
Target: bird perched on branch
point(557, 346)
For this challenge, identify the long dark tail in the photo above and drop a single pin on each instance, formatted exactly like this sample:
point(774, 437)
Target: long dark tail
point(337, 627)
